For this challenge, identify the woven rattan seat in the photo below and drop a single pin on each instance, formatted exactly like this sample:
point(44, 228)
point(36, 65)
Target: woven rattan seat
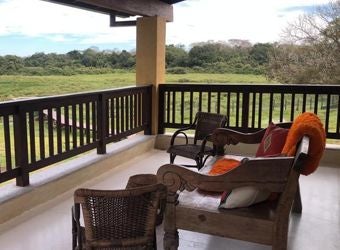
point(119, 219)
point(204, 124)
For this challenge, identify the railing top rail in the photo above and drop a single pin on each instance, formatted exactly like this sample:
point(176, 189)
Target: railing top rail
point(267, 88)
point(70, 96)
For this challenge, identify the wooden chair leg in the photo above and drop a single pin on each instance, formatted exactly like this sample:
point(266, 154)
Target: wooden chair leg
point(172, 158)
point(280, 236)
point(74, 230)
point(297, 204)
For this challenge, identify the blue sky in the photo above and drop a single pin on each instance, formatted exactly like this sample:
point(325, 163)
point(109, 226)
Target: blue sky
point(30, 26)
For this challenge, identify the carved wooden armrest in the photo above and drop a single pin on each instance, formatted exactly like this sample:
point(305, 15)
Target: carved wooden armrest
point(224, 136)
point(266, 173)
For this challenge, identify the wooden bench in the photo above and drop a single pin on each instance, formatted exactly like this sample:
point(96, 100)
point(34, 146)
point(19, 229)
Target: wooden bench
point(264, 223)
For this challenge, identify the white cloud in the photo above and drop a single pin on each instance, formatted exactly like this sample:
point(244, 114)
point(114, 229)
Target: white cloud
point(195, 20)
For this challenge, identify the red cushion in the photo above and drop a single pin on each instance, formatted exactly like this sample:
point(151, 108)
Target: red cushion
point(273, 141)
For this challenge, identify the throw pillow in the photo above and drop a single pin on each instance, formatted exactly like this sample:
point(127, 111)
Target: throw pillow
point(273, 141)
point(223, 165)
point(243, 197)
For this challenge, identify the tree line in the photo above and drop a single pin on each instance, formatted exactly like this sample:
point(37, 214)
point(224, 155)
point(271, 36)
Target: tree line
point(237, 56)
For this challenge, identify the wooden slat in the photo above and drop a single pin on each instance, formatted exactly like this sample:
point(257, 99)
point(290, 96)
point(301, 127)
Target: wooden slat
point(282, 106)
point(174, 107)
point(59, 138)
point(200, 101)
point(270, 108)
point(237, 109)
point(182, 107)
point(253, 116)
point(7, 136)
point(191, 107)
point(94, 121)
point(131, 111)
point(168, 106)
point(259, 125)
point(338, 117)
point(228, 109)
point(112, 114)
point(74, 126)
point(304, 98)
point(50, 132)
point(117, 116)
point(67, 128)
point(81, 124)
point(135, 110)
point(32, 136)
point(292, 108)
point(127, 120)
point(41, 135)
point(209, 101)
point(122, 127)
point(328, 107)
point(87, 122)
point(316, 103)
point(218, 108)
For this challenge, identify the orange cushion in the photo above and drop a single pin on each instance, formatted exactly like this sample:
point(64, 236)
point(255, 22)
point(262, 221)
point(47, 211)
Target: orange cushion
point(307, 124)
point(223, 165)
point(273, 141)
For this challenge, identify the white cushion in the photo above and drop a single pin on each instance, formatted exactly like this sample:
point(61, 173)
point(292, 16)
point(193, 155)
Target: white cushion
point(243, 197)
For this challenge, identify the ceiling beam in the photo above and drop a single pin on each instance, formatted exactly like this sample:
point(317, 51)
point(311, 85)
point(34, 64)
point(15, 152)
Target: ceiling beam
point(130, 7)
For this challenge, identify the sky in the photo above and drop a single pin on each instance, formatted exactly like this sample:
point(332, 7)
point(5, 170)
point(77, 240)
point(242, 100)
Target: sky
point(31, 26)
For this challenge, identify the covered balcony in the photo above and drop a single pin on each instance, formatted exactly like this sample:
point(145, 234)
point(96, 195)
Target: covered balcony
point(51, 146)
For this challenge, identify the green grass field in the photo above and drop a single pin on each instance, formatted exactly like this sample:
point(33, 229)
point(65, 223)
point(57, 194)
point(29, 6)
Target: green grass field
point(27, 86)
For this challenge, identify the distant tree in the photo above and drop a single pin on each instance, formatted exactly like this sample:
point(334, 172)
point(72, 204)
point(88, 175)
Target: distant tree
point(176, 56)
point(260, 51)
point(310, 52)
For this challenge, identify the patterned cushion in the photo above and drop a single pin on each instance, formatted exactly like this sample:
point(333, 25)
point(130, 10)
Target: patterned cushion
point(273, 141)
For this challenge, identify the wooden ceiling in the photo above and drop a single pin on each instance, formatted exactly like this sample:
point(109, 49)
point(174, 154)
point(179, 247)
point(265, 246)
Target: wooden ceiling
point(125, 8)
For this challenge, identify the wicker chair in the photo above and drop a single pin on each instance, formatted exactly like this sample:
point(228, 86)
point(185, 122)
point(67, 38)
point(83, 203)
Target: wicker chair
point(204, 124)
point(120, 219)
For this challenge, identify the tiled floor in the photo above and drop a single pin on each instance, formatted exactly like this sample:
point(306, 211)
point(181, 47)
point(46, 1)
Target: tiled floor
point(317, 228)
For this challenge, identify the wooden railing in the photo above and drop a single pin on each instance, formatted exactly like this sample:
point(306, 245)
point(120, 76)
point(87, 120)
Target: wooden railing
point(249, 107)
point(39, 132)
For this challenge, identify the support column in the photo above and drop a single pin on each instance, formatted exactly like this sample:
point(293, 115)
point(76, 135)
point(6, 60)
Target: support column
point(150, 58)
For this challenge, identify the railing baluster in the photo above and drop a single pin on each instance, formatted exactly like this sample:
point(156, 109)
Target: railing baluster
point(200, 101)
point(245, 111)
point(338, 118)
point(59, 139)
point(32, 136)
point(87, 122)
point(50, 132)
point(122, 114)
point(131, 111)
point(228, 109)
point(191, 107)
point(94, 120)
point(316, 103)
point(182, 107)
point(67, 128)
point(270, 108)
point(126, 113)
point(74, 126)
point(328, 107)
point(101, 118)
point(282, 106)
point(292, 108)
point(117, 116)
point(218, 108)
point(41, 135)
point(112, 113)
point(304, 102)
point(7, 136)
point(209, 101)
point(259, 125)
point(253, 111)
point(81, 124)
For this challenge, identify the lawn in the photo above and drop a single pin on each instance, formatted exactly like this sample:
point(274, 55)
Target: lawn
point(29, 86)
